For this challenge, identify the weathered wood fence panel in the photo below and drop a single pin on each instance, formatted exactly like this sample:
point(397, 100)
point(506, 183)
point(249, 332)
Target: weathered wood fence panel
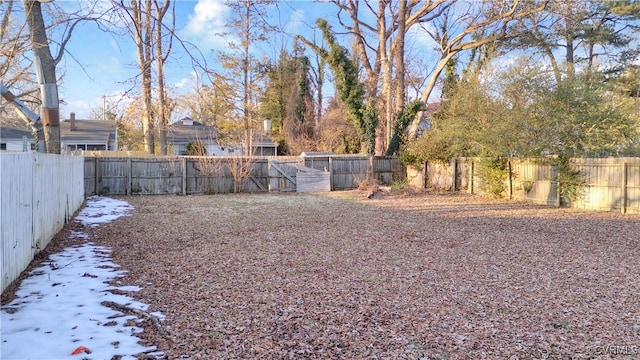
point(535, 182)
point(205, 175)
point(211, 175)
point(90, 175)
point(632, 181)
point(387, 169)
point(612, 184)
point(312, 180)
point(283, 174)
point(440, 176)
point(318, 162)
point(153, 176)
point(113, 176)
point(39, 193)
point(348, 171)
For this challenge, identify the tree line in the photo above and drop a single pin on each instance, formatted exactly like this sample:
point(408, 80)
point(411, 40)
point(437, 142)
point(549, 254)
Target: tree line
point(427, 80)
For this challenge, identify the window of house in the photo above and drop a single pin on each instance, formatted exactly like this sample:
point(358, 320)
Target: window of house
point(3, 146)
point(71, 147)
point(96, 147)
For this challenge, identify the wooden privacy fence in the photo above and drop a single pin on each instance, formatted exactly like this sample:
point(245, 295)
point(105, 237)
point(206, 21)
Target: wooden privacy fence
point(611, 184)
point(39, 194)
point(211, 175)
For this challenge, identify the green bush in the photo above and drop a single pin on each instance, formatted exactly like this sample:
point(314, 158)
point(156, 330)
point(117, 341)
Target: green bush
point(571, 182)
point(493, 174)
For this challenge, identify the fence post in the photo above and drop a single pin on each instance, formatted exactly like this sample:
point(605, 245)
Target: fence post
point(454, 167)
point(424, 175)
point(331, 172)
point(184, 175)
point(557, 187)
point(129, 171)
point(623, 207)
point(471, 176)
point(269, 176)
point(427, 180)
point(97, 175)
point(509, 181)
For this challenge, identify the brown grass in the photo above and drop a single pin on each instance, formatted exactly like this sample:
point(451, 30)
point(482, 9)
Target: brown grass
point(339, 276)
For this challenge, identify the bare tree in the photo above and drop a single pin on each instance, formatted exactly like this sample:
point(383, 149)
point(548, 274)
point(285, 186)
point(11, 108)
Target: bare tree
point(250, 23)
point(14, 47)
point(589, 33)
point(161, 57)
point(147, 26)
point(45, 63)
point(476, 27)
point(241, 168)
point(210, 169)
point(140, 16)
point(392, 22)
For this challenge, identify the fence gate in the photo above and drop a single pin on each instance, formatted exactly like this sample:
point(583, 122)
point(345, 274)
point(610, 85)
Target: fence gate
point(282, 175)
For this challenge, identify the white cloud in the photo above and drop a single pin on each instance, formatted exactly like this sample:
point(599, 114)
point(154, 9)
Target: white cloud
point(419, 36)
point(183, 82)
point(207, 22)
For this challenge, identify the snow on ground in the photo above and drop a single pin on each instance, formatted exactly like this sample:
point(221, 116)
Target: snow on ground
point(58, 307)
point(99, 210)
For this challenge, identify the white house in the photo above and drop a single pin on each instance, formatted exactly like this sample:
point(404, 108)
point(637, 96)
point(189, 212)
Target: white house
point(186, 131)
point(16, 135)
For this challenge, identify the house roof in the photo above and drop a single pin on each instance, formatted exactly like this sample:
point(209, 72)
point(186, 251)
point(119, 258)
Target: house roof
point(13, 128)
point(88, 131)
point(260, 140)
point(179, 133)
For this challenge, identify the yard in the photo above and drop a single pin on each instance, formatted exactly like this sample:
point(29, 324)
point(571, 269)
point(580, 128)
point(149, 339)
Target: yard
point(337, 275)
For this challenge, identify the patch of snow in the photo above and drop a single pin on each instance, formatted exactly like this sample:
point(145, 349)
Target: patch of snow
point(100, 210)
point(58, 307)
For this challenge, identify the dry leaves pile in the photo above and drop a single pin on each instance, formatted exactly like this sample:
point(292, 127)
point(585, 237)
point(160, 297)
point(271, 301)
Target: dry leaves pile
point(423, 276)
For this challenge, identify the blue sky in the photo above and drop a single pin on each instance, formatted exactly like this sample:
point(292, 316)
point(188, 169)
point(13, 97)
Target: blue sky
point(102, 64)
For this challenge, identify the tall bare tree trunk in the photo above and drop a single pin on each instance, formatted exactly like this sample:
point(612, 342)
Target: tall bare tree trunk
point(146, 84)
point(385, 63)
point(163, 112)
point(570, 58)
point(413, 127)
point(399, 53)
point(142, 35)
point(46, 73)
point(246, 81)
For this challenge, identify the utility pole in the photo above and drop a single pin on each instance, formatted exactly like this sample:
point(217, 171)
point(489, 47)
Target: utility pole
point(32, 119)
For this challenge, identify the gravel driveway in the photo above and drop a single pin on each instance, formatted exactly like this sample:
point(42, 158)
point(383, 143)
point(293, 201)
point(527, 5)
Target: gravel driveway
point(337, 275)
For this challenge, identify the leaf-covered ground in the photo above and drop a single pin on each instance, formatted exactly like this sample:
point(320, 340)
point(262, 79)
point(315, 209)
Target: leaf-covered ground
point(337, 275)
